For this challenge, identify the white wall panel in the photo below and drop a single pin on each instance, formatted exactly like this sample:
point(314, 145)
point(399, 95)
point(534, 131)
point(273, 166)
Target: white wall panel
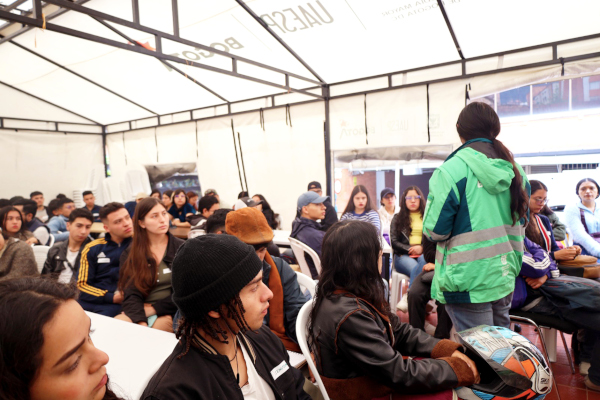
point(49, 162)
point(177, 143)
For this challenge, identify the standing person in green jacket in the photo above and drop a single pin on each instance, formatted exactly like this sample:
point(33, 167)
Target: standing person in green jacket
point(476, 211)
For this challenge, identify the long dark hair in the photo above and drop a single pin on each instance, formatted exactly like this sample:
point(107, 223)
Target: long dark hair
point(535, 186)
point(4, 215)
point(403, 218)
point(358, 189)
point(265, 203)
point(531, 230)
point(140, 268)
point(478, 120)
point(26, 306)
point(349, 261)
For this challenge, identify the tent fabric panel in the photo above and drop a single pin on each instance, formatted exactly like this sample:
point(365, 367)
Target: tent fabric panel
point(251, 105)
point(115, 145)
point(446, 101)
point(144, 123)
point(429, 74)
point(177, 143)
point(26, 154)
point(204, 113)
point(395, 118)
point(124, 126)
point(291, 98)
point(480, 26)
point(578, 48)
point(140, 146)
point(16, 104)
point(79, 128)
point(365, 85)
point(15, 123)
point(157, 14)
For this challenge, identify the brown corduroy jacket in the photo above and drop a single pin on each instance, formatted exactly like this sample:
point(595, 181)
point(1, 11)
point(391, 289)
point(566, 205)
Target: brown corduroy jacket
point(17, 260)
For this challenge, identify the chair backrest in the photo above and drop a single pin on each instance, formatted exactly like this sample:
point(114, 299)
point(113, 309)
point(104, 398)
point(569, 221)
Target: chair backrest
point(136, 181)
point(52, 240)
point(307, 283)
point(40, 253)
point(301, 334)
point(112, 190)
point(300, 249)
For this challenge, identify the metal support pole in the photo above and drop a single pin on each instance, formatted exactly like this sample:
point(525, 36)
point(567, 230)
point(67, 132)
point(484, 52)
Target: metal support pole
point(104, 151)
point(327, 138)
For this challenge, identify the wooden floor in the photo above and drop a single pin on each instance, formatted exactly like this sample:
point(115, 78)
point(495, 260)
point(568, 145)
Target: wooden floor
point(570, 386)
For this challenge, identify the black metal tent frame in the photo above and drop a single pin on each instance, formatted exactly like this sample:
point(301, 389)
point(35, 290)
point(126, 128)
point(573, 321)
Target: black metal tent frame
point(37, 19)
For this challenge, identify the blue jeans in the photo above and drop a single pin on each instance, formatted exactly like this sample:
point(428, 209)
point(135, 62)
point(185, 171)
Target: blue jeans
point(470, 315)
point(409, 266)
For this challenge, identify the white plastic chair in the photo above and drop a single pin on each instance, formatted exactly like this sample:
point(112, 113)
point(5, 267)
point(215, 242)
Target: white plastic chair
point(307, 283)
point(52, 240)
point(40, 253)
point(301, 332)
point(300, 249)
point(397, 283)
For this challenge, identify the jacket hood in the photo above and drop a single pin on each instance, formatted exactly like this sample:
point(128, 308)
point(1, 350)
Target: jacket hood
point(301, 223)
point(494, 174)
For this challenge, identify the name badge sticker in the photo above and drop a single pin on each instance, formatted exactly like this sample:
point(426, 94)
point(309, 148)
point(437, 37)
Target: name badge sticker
point(279, 370)
point(103, 260)
point(166, 270)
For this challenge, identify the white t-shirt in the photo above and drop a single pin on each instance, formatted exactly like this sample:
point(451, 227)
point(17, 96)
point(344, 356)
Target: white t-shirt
point(67, 273)
point(42, 215)
point(256, 388)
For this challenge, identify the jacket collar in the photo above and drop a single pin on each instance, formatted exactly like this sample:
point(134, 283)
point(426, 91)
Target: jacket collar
point(63, 247)
point(467, 144)
point(172, 247)
point(202, 344)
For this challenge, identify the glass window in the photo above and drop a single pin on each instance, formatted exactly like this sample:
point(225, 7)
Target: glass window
point(489, 100)
point(513, 102)
point(551, 97)
point(585, 92)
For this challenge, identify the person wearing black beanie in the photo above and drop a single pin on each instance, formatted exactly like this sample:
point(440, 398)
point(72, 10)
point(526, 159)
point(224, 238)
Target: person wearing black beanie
point(224, 350)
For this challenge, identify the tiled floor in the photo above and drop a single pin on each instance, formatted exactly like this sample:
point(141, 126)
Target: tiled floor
point(570, 386)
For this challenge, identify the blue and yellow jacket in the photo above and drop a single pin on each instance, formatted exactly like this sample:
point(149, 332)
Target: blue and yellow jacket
point(98, 272)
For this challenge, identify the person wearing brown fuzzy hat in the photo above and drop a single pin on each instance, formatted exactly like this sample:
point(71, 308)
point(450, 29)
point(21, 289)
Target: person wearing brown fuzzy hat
point(251, 227)
point(224, 351)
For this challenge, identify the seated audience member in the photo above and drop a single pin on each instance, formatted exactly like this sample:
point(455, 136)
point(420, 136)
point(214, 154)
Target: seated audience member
point(420, 294)
point(15, 200)
point(180, 209)
point(406, 234)
point(251, 227)
point(4, 203)
point(41, 212)
point(192, 198)
point(130, 205)
point(216, 222)
point(330, 213)
point(16, 259)
point(359, 208)
point(52, 208)
point(47, 352)
point(98, 272)
point(156, 194)
point(244, 202)
point(167, 199)
point(63, 258)
point(583, 218)
point(387, 211)
point(40, 231)
point(218, 287)
point(558, 228)
point(213, 192)
point(538, 270)
point(264, 207)
point(207, 206)
point(58, 224)
point(539, 230)
point(90, 204)
point(306, 229)
point(13, 226)
point(358, 342)
point(145, 271)
point(61, 196)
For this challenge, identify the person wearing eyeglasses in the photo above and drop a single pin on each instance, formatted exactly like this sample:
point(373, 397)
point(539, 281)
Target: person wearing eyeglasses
point(406, 233)
point(583, 218)
point(540, 229)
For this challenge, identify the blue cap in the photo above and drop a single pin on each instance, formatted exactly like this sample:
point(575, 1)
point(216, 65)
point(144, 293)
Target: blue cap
point(310, 197)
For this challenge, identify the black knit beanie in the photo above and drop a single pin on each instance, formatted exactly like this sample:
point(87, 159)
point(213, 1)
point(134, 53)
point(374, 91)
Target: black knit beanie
point(210, 270)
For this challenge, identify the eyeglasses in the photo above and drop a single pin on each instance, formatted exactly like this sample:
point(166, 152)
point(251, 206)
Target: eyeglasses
point(413, 198)
point(539, 200)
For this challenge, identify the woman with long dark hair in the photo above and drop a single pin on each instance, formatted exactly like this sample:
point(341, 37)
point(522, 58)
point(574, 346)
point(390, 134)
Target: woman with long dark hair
point(358, 342)
point(265, 208)
point(145, 272)
point(477, 207)
point(13, 226)
point(407, 237)
point(167, 199)
point(359, 208)
point(583, 218)
point(46, 352)
point(180, 208)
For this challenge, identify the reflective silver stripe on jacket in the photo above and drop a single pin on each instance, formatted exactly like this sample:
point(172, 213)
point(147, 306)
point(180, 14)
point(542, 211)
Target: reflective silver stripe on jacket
point(480, 253)
point(485, 235)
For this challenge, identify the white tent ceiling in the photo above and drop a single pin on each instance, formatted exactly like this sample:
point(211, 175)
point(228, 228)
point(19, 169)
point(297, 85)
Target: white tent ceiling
point(329, 42)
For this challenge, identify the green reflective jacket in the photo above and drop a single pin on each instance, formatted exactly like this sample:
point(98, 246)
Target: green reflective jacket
point(479, 251)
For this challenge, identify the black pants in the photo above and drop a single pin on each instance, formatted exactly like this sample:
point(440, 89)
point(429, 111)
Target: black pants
point(418, 297)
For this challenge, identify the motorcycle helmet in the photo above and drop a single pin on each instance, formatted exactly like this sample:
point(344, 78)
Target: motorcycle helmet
point(509, 365)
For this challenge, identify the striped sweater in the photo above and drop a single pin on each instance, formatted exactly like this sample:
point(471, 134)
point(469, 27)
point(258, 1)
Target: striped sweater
point(369, 216)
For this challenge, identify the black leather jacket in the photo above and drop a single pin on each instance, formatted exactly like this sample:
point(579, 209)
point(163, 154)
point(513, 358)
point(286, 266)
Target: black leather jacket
point(353, 340)
point(399, 240)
